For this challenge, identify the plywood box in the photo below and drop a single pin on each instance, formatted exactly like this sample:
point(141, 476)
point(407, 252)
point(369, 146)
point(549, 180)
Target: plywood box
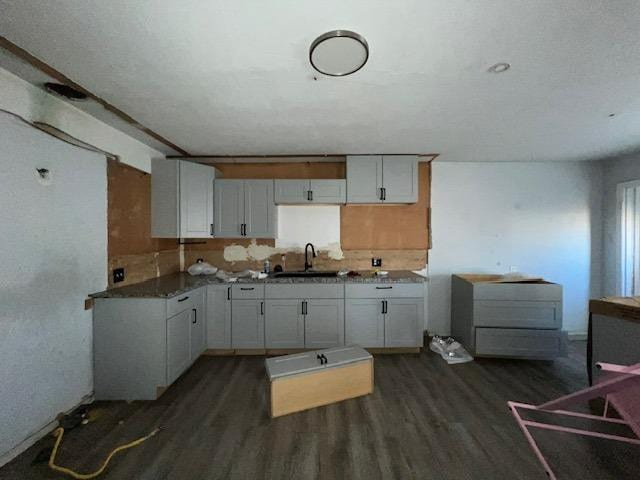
point(321, 377)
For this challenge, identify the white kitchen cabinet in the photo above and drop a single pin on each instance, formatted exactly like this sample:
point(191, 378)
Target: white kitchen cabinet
point(247, 323)
point(384, 315)
point(382, 179)
point(364, 322)
point(218, 316)
point(181, 199)
point(324, 323)
point(403, 322)
point(178, 345)
point(244, 209)
point(142, 345)
point(310, 192)
point(284, 323)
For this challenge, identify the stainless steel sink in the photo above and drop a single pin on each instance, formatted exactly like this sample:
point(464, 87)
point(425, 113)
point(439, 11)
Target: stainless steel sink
point(307, 274)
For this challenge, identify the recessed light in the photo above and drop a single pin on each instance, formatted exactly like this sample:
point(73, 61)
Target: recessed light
point(339, 53)
point(499, 67)
point(65, 91)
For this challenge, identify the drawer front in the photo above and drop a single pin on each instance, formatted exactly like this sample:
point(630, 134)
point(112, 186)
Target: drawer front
point(289, 290)
point(542, 292)
point(384, 290)
point(247, 291)
point(521, 343)
point(523, 314)
point(185, 301)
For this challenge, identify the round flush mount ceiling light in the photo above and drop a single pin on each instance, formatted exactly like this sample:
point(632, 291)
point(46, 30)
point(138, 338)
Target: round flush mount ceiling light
point(499, 67)
point(339, 53)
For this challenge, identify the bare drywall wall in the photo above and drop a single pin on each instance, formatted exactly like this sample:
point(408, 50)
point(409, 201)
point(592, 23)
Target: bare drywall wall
point(539, 218)
point(53, 252)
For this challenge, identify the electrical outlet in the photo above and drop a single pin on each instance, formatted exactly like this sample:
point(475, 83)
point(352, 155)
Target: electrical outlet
point(376, 262)
point(118, 275)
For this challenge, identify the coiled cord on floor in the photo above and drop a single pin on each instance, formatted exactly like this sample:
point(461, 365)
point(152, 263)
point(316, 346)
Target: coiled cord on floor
point(59, 432)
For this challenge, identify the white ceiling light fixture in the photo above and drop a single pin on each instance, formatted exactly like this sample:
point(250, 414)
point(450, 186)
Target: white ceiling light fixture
point(339, 53)
point(499, 67)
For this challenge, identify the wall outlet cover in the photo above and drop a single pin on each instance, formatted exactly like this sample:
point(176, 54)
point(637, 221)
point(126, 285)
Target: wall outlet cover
point(118, 275)
point(376, 262)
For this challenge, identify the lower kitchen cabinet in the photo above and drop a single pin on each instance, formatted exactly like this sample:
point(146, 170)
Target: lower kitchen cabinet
point(219, 316)
point(364, 322)
point(403, 322)
point(178, 345)
point(324, 323)
point(247, 323)
point(142, 345)
point(284, 323)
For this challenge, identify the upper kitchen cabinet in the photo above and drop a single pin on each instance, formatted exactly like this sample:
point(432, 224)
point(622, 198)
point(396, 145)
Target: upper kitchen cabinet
point(244, 208)
point(382, 179)
point(304, 192)
point(181, 199)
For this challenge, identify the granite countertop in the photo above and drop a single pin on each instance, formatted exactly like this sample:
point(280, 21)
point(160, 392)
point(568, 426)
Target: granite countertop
point(168, 286)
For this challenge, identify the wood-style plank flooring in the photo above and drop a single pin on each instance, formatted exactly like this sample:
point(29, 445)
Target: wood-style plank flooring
point(426, 420)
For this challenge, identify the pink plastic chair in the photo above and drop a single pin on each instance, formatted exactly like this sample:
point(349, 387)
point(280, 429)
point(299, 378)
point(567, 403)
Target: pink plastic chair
point(620, 386)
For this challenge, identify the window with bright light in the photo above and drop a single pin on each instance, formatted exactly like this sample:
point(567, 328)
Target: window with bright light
point(629, 238)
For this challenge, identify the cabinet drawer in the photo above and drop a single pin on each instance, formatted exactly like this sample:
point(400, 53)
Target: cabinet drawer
point(185, 301)
point(517, 314)
point(519, 342)
point(319, 290)
point(385, 290)
point(543, 292)
point(247, 290)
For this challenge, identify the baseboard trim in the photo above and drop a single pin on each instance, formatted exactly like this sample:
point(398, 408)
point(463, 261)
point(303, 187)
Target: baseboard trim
point(32, 438)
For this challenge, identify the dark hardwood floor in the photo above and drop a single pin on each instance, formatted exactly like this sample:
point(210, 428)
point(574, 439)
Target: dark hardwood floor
point(426, 420)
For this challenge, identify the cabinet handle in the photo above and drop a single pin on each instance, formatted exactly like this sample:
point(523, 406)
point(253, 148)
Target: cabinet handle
point(211, 231)
point(228, 293)
point(381, 197)
point(261, 308)
point(384, 193)
point(183, 299)
point(311, 195)
point(386, 306)
point(247, 288)
point(304, 307)
point(308, 195)
point(195, 316)
point(384, 288)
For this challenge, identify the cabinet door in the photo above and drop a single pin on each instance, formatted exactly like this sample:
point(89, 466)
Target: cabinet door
point(196, 200)
point(328, 191)
point(178, 345)
point(284, 324)
point(400, 178)
point(364, 322)
point(198, 329)
point(364, 179)
point(229, 208)
point(324, 323)
point(218, 316)
point(292, 192)
point(247, 323)
point(259, 209)
point(404, 322)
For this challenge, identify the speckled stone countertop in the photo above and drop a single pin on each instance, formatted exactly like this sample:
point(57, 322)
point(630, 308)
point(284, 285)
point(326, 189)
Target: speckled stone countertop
point(169, 286)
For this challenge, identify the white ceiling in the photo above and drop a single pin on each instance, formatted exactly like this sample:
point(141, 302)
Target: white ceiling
point(233, 77)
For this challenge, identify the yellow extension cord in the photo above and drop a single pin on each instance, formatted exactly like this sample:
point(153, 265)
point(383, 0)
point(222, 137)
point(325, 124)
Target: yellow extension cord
point(59, 432)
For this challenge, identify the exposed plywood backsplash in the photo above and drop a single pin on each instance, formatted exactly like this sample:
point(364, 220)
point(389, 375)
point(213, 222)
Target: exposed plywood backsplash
point(129, 228)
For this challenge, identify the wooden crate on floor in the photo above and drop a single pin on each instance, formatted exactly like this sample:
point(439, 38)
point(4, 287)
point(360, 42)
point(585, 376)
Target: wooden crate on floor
point(321, 377)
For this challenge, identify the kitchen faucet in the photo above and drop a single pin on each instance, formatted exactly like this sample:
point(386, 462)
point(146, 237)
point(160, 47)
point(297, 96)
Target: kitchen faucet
point(307, 263)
